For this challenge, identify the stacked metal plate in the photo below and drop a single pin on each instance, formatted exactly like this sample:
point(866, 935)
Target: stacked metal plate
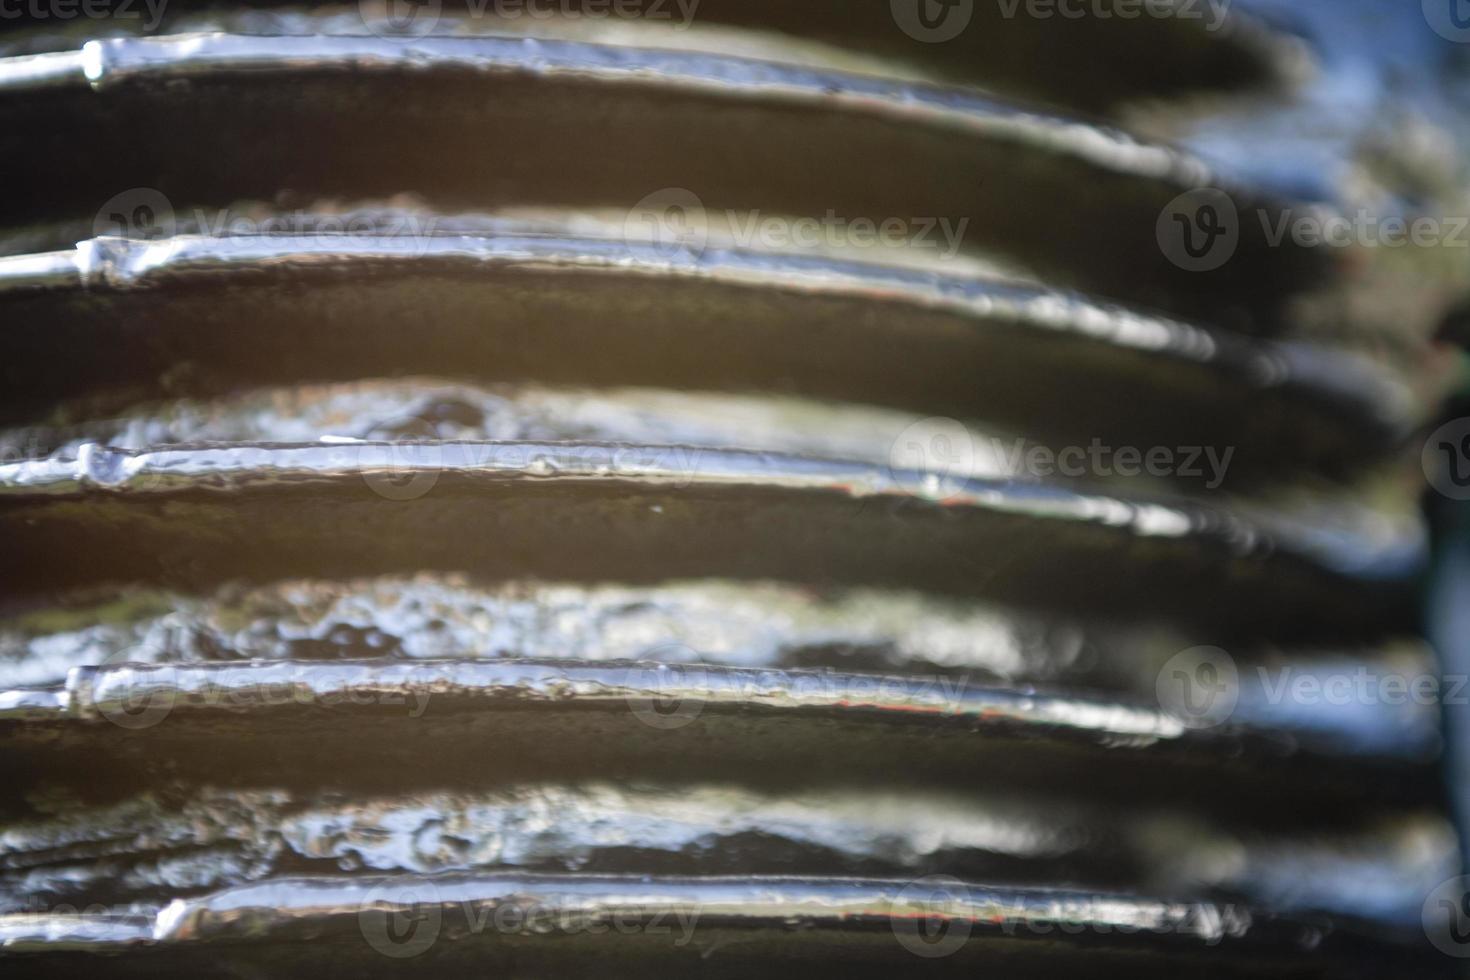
point(722, 488)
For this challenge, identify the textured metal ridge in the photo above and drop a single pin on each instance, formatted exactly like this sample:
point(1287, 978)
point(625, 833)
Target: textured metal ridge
point(234, 488)
point(1277, 403)
point(102, 265)
point(1222, 47)
point(948, 133)
point(153, 693)
point(247, 912)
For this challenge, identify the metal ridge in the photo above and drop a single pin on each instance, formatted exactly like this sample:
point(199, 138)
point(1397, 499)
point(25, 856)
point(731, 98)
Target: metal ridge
point(92, 693)
point(394, 725)
point(281, 697)
point(866, 114)
point(103, 63)
point(139, 846)
point(120, 474)
point(890, 909)
point(1230, 50)
point(1349, 391)
point(764, 626)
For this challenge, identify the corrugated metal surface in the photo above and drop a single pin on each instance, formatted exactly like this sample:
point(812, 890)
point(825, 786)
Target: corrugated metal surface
point(727, 487)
